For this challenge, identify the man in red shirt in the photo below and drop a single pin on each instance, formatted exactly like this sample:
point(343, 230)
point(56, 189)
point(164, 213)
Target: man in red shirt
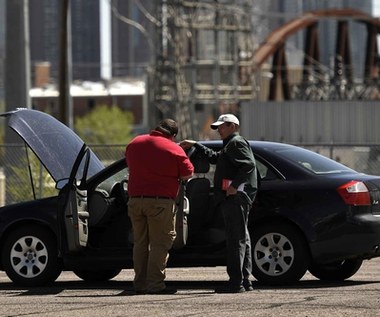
point(156, 166)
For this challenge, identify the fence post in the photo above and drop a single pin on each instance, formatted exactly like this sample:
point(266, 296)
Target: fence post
point(2, 187)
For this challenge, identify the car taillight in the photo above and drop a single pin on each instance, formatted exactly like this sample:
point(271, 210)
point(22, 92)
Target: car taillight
point(355, 193)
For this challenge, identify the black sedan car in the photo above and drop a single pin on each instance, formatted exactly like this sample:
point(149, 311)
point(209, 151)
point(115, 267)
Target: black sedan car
point(311, 213)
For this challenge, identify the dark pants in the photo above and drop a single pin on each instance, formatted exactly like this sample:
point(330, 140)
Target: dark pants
point(235, 211)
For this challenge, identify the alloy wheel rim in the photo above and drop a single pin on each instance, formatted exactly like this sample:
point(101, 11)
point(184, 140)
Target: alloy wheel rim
point(274, 254)
point(29, 256)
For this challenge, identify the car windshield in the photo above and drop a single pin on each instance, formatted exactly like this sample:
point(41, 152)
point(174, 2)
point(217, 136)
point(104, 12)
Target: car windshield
point(312, 161)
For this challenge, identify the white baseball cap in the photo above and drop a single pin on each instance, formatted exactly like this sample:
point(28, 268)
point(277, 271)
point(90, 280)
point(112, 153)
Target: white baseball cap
point(225, 118)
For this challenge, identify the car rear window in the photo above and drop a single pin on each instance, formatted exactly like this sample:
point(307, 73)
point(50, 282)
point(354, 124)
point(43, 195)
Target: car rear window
point(312, 161)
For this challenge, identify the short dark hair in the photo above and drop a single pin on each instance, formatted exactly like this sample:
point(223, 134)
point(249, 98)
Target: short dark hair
point(168, 127)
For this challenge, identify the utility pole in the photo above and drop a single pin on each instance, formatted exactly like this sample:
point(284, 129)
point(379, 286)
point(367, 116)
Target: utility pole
point(17, 82)
point(17, 66)
point(105, 40)
point(65, 100)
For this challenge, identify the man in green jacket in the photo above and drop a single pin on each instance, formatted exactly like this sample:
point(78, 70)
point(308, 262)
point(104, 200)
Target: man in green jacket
point(235, 187)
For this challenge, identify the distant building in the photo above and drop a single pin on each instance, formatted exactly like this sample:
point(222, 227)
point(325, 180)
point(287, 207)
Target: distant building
point(87, 95)
point(45, 36)
point(129, 49)
point(129, 46)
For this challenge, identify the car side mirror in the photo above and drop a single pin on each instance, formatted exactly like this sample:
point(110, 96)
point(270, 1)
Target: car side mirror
point(61, 183)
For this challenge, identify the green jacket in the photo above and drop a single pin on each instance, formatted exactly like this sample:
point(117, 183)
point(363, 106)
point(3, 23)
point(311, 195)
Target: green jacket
point(235, 162)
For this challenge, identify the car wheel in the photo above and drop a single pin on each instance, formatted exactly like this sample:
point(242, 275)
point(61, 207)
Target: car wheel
point(97, 276)
point(279, 254)
point(30, 256)
point(337, 271)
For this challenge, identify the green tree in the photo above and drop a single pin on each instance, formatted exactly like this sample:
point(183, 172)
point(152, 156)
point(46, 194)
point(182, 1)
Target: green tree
point(18, 183)
point(105, 125)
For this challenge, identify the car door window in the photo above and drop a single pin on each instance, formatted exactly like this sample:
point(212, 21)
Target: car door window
point(265, 172)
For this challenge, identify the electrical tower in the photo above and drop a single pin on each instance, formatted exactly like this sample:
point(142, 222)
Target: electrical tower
point(203, 62)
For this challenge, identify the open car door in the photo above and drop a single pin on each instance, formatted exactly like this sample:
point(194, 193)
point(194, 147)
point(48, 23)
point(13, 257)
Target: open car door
point(75, 210)
point(181, 218)
point(76, 219)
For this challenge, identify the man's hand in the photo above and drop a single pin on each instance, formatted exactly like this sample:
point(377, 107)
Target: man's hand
point(231, 191)
point(187, 144)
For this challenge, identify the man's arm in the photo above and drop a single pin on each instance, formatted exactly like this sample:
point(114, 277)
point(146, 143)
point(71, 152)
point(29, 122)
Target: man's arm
point(211, 155)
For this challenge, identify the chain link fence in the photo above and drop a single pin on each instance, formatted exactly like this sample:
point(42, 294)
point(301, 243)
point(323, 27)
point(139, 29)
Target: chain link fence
point(364, 158)
point(17, 164)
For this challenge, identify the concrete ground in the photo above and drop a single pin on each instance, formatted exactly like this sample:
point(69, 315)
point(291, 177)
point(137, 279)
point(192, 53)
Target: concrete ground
point(70, 297)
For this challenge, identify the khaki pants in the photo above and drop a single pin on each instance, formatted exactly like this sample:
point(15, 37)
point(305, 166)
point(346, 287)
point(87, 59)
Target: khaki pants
point(153, 222)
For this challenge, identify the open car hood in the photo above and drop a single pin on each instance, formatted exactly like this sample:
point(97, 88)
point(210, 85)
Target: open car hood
point(56, 145)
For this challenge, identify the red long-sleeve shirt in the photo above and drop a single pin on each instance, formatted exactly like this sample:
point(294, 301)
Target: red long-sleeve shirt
point(156, 164)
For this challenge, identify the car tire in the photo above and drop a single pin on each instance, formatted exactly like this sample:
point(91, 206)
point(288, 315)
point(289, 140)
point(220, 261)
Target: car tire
point(337, 271)
point(97, 276)
point(30, 256)
point(279, 254)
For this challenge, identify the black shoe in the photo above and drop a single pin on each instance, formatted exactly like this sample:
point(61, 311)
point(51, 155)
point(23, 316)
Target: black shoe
point(230, 289)
point(165, 291)
point(247, 286)
point(140, 292)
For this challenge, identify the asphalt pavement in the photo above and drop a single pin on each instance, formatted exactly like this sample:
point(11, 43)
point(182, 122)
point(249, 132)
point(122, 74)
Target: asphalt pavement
point(70, 297)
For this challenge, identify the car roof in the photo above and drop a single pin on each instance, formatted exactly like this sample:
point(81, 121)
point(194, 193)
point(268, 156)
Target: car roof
point(253, 143)
point(292, 161)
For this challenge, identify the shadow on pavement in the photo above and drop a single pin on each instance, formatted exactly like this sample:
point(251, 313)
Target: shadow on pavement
point(126, 287)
